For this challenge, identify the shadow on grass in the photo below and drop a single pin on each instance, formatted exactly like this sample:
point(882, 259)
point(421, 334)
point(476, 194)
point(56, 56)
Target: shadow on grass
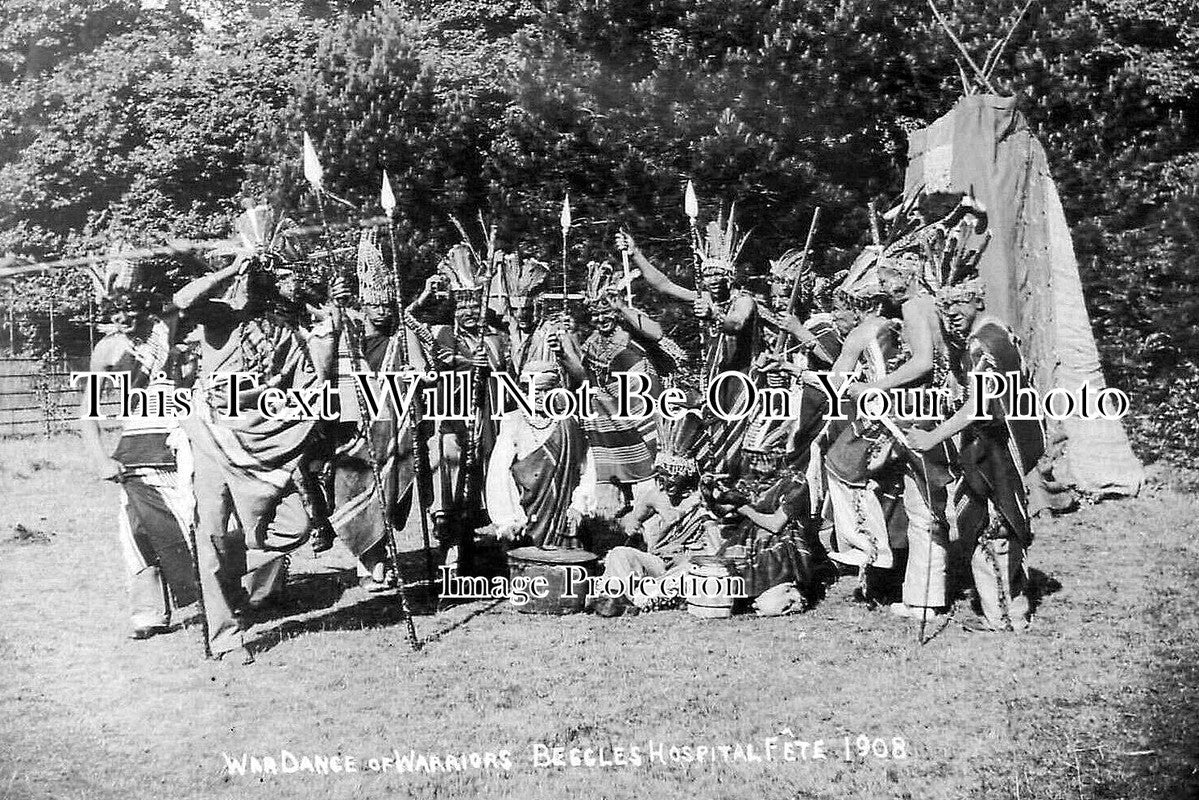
point(315, 602)
point(1040, 586)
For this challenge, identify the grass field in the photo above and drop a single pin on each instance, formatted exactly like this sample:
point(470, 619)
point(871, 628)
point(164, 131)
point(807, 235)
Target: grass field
point(1098, 700)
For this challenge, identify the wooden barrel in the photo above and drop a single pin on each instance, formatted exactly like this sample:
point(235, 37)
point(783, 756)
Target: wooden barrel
point(552, 564)
point(704, 601)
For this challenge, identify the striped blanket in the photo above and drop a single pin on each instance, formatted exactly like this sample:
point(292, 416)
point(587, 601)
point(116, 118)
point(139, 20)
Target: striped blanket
point(623, 448)
point(386, 442)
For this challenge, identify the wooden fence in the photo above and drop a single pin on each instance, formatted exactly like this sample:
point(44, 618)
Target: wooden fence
point(36, 397)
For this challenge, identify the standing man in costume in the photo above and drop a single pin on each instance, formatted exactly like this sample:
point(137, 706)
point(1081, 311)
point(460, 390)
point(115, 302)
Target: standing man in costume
point(795, 350)
point(909, 270)
point(156, 504)
point(623, 446)
point(731, 313)
point(251, 313)
point(863, 482)
point(382, 438)
point(733, 317)
point(471, 351)
point(521, 280)
point(996, 456)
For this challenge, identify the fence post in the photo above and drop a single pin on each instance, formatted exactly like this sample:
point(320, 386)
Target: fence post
point(12, 319)
point(52, 328)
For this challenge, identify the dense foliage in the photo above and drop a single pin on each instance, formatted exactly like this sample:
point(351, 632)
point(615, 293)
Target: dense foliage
point(121, 121)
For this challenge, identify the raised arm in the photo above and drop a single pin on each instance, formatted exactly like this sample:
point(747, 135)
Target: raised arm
point(653, 276)
point(637, 322)
point(960, 421)
point(322, 343)
point(208, 286)
point(569, 356)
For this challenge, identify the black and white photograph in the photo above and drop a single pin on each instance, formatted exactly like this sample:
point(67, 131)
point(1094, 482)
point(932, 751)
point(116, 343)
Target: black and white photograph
point(720, 399)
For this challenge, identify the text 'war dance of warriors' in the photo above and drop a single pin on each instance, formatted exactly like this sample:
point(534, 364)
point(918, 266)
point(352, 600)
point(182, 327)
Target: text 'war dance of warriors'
point(684, 490)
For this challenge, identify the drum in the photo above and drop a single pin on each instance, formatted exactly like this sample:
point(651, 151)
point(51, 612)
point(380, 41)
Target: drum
point(554, 565)
point(705, 598)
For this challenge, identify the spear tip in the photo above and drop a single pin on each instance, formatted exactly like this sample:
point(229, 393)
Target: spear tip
point(312, 165)
point(565, 216)
point(387, 197)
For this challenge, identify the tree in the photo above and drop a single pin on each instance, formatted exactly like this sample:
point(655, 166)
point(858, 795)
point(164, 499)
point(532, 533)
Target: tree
point(140, 139)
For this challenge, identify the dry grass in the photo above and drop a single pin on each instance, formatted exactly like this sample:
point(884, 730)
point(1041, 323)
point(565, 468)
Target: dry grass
point(1097, 701)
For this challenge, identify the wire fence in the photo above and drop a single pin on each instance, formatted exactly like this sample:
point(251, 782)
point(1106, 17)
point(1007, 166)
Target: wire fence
point(37, 399)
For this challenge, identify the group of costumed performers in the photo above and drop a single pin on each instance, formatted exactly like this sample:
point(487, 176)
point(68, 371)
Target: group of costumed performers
point(212, 506)
point(798, 500)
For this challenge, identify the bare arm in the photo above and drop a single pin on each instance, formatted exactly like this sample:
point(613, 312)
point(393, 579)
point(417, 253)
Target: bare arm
point(434, 285)
point(640, 324)
point(770, 522)
point(207, 286)
point(654, 276)
point(960, 421)
point(322, 347)
point(569, 356)
point(919, 319)
point(739, 314)
point(108, 468)
point(851, 351)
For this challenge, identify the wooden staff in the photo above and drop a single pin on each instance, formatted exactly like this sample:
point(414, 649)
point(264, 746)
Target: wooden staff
point(780, 344)
point(388, 201)
point(313, 173)
point(691, 208)
point(469, 489)
point(564, 221)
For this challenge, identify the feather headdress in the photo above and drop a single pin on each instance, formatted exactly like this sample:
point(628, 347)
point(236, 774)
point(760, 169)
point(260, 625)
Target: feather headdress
point(861, 282)
point(791, 266)
point(676, 444)
point(720, 245)
point(601, 282)
point(965, 291)
point(467, 267)
point(117, 277)
point(521, 278)
point(459, 268)
point(262, 235)
point(939, 253)
point(943, 252)
point(261, 231)
point(824, 290)
point(376, 286)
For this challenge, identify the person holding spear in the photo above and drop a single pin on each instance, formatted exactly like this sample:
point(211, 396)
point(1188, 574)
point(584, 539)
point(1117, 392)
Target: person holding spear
point(728, 312)
point(465, 351)
point(314, 174)
point(388, 346)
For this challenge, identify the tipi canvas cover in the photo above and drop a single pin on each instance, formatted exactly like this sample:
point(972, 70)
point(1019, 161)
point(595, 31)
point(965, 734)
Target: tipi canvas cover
point(984, 145)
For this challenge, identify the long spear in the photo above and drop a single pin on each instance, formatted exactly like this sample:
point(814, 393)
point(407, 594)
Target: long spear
point(387, 200)
point(564, 220)
point(14, 266)
point(691, 208)
point(781, 345)
point(314, 174)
